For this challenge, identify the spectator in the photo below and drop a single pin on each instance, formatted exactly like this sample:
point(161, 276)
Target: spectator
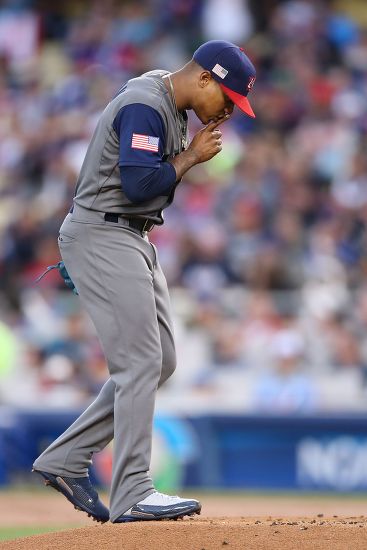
point(274, 226)
point(287, 388)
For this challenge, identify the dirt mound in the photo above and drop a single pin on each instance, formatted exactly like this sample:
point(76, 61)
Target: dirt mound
point(46, 507)
point(207, 534)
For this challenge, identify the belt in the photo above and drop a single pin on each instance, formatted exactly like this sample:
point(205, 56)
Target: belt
point(141, 224)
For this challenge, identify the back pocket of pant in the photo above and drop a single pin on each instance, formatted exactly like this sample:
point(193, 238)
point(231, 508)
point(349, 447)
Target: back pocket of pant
point(64, 238)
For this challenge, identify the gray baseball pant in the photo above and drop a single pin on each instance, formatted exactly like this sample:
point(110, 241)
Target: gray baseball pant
point(122, 287)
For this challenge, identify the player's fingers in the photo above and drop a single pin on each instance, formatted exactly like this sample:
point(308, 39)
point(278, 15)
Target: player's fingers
point(217, 135)
point(212, 125)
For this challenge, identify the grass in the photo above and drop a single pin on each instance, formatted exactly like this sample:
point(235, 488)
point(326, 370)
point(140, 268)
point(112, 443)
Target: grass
point(275, 494)
point(8, 533)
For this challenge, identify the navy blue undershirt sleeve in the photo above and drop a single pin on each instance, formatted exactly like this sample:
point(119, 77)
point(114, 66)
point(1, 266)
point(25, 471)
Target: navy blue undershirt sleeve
point(144, 174)
point(141, 183)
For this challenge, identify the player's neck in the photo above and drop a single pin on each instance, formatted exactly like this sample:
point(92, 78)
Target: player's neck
point(180, 89)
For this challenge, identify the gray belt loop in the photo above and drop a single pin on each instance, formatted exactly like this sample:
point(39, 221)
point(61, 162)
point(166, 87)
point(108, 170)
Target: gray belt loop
point(81, 214)
point(84, 215)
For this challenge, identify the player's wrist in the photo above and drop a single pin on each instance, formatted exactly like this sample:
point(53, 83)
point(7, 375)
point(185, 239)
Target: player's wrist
point(191, 157)
point(184, 161)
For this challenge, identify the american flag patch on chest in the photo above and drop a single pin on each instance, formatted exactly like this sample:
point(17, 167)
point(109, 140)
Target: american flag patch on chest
point(146, 143)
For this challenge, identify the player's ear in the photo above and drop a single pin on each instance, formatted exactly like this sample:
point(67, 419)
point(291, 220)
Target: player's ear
point(204, 79)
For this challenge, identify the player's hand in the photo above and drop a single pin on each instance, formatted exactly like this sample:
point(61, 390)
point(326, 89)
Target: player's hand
point(207, 142)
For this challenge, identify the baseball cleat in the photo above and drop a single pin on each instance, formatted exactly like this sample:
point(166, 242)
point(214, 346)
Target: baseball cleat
point(158, 506)
point(80, 492)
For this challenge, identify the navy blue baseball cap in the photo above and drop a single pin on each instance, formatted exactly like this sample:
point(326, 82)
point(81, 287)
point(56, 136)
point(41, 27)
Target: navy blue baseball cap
point(231, 68)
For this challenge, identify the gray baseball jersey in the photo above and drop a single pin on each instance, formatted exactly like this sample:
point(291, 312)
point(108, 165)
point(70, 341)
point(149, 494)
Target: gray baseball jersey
point(99, 183)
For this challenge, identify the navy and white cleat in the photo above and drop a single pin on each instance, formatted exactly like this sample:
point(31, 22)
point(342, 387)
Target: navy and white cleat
point(80, 492)
point(158, 506)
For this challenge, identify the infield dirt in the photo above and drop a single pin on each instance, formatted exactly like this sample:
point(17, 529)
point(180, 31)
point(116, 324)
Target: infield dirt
point(208, 534)
point(233, 522)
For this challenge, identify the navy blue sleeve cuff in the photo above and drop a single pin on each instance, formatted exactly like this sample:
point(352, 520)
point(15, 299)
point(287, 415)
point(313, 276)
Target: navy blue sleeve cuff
point(141, 183)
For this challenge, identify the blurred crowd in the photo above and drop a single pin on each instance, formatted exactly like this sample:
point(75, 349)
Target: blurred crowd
point(264, 248)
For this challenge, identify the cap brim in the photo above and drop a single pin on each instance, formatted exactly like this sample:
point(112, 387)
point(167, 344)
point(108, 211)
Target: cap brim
point(240, 100)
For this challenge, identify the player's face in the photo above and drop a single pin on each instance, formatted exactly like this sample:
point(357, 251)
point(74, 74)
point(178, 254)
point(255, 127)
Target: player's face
point(211, 103)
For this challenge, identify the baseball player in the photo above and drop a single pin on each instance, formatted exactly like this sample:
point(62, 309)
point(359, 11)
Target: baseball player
point(136, 158)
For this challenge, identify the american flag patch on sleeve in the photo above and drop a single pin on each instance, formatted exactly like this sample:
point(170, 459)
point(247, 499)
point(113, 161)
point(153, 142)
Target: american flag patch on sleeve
point(146, 143)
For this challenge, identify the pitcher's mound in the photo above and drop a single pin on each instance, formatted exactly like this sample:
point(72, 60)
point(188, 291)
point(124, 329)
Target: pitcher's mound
point(199, 534)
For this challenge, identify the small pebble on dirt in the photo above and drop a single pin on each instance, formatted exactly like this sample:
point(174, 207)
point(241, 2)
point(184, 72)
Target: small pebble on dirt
point(320, 515)
point(303, 528)
point(224, 543)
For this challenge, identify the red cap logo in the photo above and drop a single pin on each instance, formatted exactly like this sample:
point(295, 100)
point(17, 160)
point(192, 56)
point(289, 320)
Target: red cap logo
point(251, 83)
